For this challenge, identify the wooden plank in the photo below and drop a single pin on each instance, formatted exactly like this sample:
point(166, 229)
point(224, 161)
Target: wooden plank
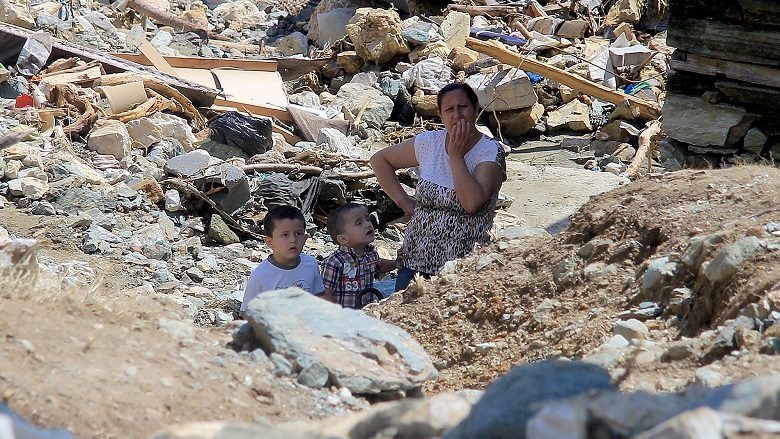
point(185, 62)
point(12, 39)
point(752, 73)
point(729, 42)
point(647, 110)
point(76, 75)
point(747, 12)
point(262, 110)
point(496, 11)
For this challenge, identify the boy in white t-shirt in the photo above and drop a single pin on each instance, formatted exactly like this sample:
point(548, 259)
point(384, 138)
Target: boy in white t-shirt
point(287, 266)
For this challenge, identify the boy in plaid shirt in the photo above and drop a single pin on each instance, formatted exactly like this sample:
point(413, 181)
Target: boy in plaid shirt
point(352, 267)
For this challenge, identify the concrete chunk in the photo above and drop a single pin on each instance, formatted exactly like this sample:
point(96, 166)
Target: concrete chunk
point(506, 90)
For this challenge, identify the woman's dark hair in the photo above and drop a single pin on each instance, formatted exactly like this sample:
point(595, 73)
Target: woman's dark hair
point(457, 86)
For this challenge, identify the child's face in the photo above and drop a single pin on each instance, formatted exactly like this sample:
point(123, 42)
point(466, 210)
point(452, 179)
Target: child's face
point(358, 230)
point(287, 240)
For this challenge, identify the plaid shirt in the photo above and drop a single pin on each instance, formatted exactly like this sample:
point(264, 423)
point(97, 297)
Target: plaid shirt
point(346, 274)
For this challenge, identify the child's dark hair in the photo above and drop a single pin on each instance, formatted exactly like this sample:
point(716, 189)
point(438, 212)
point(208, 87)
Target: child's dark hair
point(457, 86)
point(280, 213)
point(336, 219)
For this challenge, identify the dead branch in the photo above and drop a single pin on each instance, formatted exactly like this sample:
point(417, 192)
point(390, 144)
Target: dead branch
point(644, 150)
point(165, 17)
point(10, 139)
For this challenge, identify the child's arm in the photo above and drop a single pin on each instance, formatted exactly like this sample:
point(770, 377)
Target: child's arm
point(331, 273)
point(328, 295)
point(387, 265)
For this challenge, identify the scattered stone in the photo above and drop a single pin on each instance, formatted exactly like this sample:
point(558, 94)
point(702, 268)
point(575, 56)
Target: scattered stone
point(455, 28)
point(695, 121)
point(314, 375)
point(355, 96)
point(110, 137)
point(631, 329)
point(220, 232)
point(519, 122)
point(574, 116)
point(725, 263)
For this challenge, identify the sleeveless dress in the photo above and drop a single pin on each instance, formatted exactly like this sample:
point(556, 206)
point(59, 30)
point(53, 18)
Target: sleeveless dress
point(440, 230)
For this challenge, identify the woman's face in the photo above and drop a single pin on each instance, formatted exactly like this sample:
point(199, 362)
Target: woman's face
point(456, 106)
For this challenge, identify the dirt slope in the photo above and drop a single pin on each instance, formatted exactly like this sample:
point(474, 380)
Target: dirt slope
point(503, 305)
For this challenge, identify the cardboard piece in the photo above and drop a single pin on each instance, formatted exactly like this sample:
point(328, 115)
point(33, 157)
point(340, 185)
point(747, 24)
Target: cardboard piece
point(157, 60)
point(125, 96)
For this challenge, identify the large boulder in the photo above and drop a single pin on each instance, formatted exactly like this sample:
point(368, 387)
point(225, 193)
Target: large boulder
point(510, 401)
point(694, 120)
point(354, 96)
point(376, 34)
point(363, 354)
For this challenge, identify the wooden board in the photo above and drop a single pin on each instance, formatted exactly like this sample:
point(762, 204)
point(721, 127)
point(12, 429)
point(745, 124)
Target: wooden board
point(728, 42)
point(752, 73)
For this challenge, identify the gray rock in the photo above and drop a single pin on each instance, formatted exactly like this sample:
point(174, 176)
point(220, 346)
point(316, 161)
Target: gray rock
point(353, 96)
point(44, 208)
point(708, 376)
point(173, 201)
point(162, 39)
point(510, 401)
point(295, 43)
point(337, 142)
point(519, 232)
point(258, 355)
point(307, 99)
point(80, 199)
point(110, 137)
point(220, 232)
point(281, 365)
point(506, 90)
point(725, 263)
point(153, 243)
point(564, 273)
point(755, 139)
point(594, 247)
point(705, 422)
point(195, 274)
point(672, 155)
point(391, 87)
point(96, 235)
point(657, 277)
point(314, 375)
point(421, 33)
point(631, 329)
point(361, 353)
point(697, 122)
point(176, 328)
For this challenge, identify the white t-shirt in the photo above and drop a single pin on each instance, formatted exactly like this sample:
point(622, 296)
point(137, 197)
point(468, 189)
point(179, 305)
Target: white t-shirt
point(268, 277)
point(431, 153)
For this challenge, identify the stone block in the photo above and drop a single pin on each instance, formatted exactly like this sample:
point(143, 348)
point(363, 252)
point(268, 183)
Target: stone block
point(503, 91)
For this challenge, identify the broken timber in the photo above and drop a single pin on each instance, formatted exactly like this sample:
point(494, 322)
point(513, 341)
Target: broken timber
point(165, 17)
point(494, 10)
point(647, 110)
point(12, 39)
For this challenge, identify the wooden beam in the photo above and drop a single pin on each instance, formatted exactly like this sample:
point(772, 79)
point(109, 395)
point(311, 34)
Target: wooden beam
point(647, 110)
point(752, 73)
point(645, 149)
point(725, 41)
point(188, 62)
point(496, 10)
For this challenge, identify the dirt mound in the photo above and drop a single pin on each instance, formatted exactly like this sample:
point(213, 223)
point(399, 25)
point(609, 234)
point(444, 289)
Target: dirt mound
point(524, 300)
point(125, 362)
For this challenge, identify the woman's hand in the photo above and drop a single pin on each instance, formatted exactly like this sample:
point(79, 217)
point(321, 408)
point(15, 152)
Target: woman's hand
point(460, 139)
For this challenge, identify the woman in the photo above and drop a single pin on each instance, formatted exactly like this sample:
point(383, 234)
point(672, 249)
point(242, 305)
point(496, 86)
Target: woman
point(461, 172)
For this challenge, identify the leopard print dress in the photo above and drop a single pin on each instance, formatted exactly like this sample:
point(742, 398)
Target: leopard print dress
point(440, 230)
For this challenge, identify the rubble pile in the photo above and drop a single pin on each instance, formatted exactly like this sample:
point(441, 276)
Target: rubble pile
point(665, 285)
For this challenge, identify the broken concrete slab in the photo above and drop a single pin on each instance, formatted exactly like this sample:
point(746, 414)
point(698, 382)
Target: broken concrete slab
point(572, 29)
point(503, 91)
point(455, 28)
point(363, 354)
point(695, 121)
